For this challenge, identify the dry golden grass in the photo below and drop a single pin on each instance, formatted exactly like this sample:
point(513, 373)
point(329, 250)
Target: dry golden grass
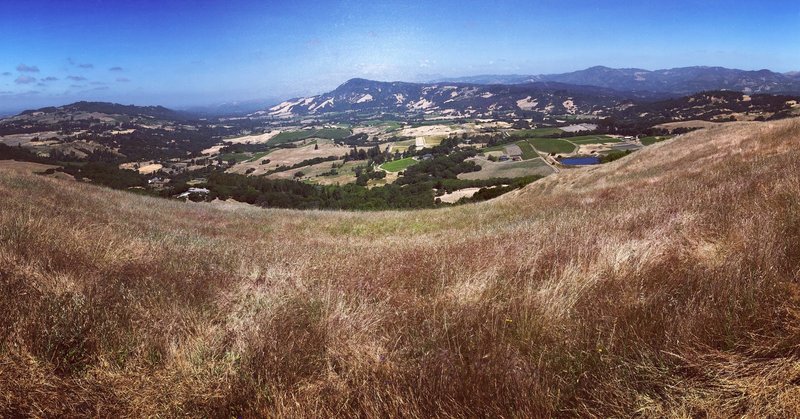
point(663, 284)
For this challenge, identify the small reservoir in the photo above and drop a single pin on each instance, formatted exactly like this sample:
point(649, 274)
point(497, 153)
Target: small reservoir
point(580, 161)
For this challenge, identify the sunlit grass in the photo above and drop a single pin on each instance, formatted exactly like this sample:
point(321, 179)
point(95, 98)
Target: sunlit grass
point(662, 284)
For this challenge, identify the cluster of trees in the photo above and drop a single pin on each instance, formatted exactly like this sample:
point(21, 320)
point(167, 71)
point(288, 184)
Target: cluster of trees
point(21, 154)
point(491, 139)
point(354, 140)
point(614, 155)
point(373, 154)
point(97, 155)
point(157, 143)
point(447, 146)
point(98, 172)
point(612, 125)
point(364, 174)
point(106, 174)
point(282, 193)
point(440, 167)
point(307, 162)
point(497, 189)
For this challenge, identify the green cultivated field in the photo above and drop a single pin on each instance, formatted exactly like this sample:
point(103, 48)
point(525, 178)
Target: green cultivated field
point(527, 150)
point(536, 132)
point(243, 157)
point(593, 139)
point(328, 133)
point(501, 147)
point(398, 165)
point(544, 145)
point(332, 133)
point(653, 140)
point(551, 145)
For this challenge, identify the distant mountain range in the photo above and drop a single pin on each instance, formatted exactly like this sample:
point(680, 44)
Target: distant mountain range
point(597, 91)
point(235, 108)
point(677, 81)
point(457, 99)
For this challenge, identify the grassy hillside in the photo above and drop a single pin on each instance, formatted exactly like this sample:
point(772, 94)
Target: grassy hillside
point(662, 284)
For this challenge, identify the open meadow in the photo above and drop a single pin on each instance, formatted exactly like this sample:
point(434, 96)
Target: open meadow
point(663, 284)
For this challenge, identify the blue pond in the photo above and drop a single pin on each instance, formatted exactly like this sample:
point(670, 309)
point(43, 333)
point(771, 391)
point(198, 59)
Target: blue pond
point(580, 161)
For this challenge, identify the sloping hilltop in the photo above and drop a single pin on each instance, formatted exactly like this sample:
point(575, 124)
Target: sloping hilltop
point(662, 284)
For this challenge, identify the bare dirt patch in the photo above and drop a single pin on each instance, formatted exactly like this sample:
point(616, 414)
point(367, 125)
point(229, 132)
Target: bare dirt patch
point(253, 139)
point(431, 130)
point(453, 197)
point(144, 167)
point(527, 104)
point(579, 127)
point(150, 168)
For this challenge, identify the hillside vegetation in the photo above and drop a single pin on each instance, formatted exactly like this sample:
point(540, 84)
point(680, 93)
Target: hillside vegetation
point(662, 284)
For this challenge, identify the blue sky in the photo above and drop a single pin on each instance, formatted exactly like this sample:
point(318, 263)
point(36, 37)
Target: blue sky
point(182, 53)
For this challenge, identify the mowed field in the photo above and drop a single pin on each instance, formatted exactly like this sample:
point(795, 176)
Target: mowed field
point(527, 149)
point(536, 132)
point(551, 145)
point(399, 165)
point(592, 139)
point(663, 284)
point(288, 156)
point(508, 169)
point(326, 133)
point(530, 146)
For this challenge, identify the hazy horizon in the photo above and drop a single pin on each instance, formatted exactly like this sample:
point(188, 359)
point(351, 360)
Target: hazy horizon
point(182, 54)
